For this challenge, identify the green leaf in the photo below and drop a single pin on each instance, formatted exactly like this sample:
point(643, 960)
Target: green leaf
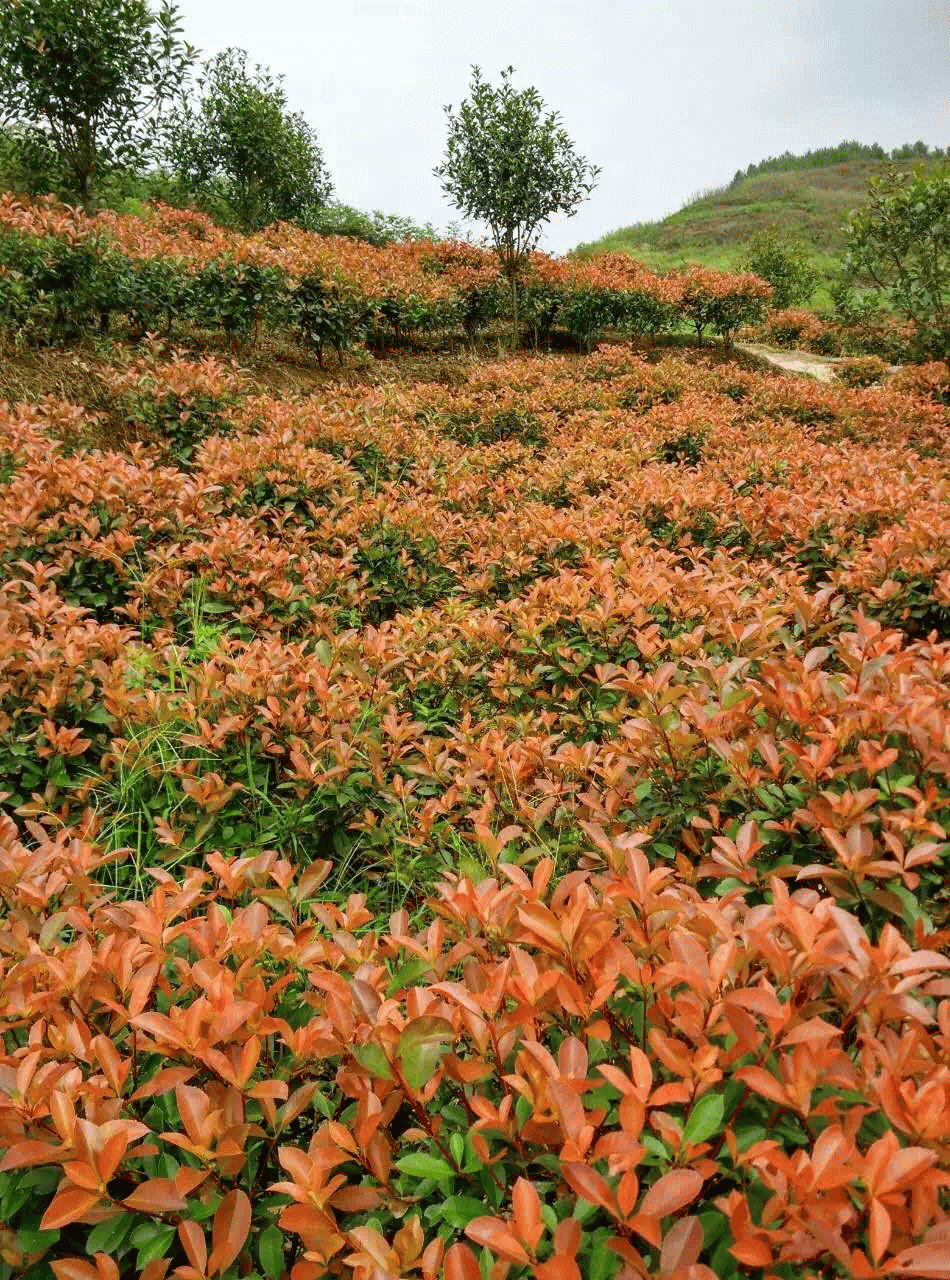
point(458, 1211)
point(705, 1119)
point(457, 1147)
point(419, 1164)
point(107, 1236)
point(157, 1247)
point(270, 1250)
point(30, 1241)
point(407, 974)
point(422, 1045)
point(371, 1058)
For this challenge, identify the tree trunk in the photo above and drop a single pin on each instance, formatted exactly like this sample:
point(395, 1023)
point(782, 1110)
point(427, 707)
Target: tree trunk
point(84, 163)
point(87, 192)
point(515, 329)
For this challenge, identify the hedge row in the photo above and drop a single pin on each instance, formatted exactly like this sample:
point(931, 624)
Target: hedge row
point(62, 274)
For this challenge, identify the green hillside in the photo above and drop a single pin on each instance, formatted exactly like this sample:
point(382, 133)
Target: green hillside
point(812, 202)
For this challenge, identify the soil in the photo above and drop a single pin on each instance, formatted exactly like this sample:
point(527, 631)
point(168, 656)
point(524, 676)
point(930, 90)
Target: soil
point(280, 367)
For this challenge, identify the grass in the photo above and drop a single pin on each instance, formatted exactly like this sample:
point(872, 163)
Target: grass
point(714, 227)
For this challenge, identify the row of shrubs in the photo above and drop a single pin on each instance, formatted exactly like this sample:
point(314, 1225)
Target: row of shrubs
point(870, 333)
point(63, 275)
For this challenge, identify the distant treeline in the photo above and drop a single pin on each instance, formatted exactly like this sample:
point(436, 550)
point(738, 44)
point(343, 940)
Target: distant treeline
point(823, 157)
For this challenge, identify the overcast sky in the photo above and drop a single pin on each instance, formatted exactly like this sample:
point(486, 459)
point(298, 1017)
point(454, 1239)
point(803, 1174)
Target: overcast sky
point(669, 97)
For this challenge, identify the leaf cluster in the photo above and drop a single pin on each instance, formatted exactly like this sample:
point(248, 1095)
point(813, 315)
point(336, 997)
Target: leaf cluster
point(239, 148)
point(88, 83)
point(511, 164)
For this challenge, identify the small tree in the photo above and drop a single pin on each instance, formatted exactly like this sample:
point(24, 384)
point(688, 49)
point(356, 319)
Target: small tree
point(238, 144)
point(88, 80)
point(899, 245)
point(510, 163)
point(785, 264)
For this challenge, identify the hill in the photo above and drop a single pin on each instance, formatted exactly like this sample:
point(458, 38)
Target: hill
point(810, 195)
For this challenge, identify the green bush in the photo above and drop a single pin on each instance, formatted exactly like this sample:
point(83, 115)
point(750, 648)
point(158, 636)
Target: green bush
point(785, 264)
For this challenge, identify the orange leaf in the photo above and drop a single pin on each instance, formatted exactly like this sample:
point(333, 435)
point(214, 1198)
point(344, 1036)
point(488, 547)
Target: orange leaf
point(74, 1269)
point(460, 1264)
point(674, 1190)
point(494, 1234)
point(232, 1223)
point(929, 1260)
point(879, 1230)
point(69, 1206)
point(194, 1244)
point(557, 1268)
point(527, 1207)
point(26, 1153)
point(155, 1270)
point(158, 1195)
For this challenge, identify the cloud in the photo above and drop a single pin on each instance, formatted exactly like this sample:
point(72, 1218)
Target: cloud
point(668, 96)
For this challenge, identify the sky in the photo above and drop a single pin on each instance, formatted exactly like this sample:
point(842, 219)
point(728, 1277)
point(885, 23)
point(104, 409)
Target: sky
point(668, 97)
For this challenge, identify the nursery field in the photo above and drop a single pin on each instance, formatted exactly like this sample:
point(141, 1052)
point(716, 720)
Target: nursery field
point(493, 825)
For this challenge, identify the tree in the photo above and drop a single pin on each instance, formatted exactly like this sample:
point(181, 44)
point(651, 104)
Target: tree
point(86, 79)
point(510, 163)
point(899, 245)
point(239, 144)
point(785, 264)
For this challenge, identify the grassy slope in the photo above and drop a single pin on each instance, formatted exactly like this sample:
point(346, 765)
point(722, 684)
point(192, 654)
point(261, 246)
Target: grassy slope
point(715, 227)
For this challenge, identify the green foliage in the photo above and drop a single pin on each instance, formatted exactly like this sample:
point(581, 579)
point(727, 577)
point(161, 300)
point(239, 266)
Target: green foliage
point(30, 164)
point(54, 290)
point(685, 449)
point(511, 164)
point(238, 296)
point(83, 85)
point(899, 245)
point(400, 572)
point(378, 228)
point(240, 150)
point(785, 264)
point(325, 315)
point(843, 153)
point(507, 424)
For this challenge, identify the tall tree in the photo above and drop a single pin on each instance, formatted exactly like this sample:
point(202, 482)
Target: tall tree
point(88, 79)
point(510, 163)
point(236, 141)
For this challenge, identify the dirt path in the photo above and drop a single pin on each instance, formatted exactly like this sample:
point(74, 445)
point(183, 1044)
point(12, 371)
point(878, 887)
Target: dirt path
point(806, 362)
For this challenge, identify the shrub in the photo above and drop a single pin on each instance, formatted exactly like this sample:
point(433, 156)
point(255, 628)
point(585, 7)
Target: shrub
point(784, 264)
point(175, 402)
point(861, 371)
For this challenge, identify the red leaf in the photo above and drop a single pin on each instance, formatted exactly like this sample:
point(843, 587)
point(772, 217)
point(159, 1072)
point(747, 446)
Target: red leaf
point(194, 1244)
point(589, 1185)
point(69, 1206)
point(682, 1244)
point(232, 1223)
point(460, 1264)
point(494, 1234)
point(74, 1269)
point(527, 1207)
point(674, 1190)
point(158, 1195)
